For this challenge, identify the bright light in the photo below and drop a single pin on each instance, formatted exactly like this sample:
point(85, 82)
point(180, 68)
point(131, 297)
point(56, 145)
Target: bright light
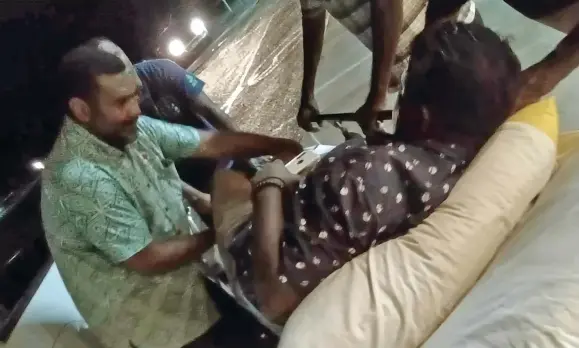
point(197, 27)
point(37, 165)
point(176, 47)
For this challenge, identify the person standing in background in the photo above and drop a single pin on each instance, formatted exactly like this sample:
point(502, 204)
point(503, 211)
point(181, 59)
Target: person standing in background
point(386, 27)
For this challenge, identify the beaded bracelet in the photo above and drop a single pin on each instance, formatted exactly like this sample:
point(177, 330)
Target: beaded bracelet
point(272, 181)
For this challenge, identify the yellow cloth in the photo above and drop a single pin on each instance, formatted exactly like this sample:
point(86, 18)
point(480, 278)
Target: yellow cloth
point(542, 115)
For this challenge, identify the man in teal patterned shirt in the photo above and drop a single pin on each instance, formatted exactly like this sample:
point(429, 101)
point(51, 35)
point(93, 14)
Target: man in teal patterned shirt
point(113, 211)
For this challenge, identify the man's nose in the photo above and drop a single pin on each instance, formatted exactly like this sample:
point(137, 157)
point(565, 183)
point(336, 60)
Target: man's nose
point(134, 110)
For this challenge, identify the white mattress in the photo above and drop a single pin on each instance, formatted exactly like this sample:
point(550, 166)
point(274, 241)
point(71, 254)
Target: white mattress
point(529, 296)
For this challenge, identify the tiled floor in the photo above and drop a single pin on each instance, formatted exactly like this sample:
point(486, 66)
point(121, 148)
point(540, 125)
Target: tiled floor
point(256, 72)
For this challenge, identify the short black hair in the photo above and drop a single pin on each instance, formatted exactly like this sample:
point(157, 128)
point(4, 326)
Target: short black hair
point(467, 74)
point(80, 67)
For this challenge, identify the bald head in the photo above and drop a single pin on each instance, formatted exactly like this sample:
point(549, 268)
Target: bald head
point(109, 46)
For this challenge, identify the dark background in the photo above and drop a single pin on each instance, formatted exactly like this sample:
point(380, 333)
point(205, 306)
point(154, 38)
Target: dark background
point(33, 37)
point(34, 34)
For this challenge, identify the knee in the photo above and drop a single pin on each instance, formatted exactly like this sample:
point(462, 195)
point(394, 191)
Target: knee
point(230, 182)
point(277, 301)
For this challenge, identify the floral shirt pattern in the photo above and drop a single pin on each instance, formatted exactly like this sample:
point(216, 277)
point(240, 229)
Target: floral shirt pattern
point(100, 206)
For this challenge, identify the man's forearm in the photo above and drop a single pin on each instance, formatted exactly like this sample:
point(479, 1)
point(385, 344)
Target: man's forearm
point(313, 27)
point(386, 22)
point(212, 113)
point(164, 256)
point(562, 60)
point(239, 145)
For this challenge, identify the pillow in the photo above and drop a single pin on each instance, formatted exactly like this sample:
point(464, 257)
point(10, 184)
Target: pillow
point(568, 144)
point(398, 293)
point(528, 295)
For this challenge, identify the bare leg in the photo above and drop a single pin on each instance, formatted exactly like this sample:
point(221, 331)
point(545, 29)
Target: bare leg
point(231, 201)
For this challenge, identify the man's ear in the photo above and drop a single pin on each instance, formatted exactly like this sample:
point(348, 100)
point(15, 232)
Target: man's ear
point(79, 109)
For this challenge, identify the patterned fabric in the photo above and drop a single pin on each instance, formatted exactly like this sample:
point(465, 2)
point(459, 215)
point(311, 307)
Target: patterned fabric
point(100, 206)
point(355, 16)
point(355, 198)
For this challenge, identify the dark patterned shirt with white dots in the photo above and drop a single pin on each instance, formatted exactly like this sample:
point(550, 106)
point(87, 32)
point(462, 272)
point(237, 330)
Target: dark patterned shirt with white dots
point(355, 198)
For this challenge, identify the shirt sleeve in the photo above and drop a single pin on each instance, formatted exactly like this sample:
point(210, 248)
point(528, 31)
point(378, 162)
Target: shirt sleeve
point(167, 75)
point(90, 205)
point(175, 141)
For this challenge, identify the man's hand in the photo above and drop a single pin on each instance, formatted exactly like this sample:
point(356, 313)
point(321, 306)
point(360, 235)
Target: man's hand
point(289, 150)
point(309, 113)
point(203, 204)
point(367, 118)
point(276, 169)
point(200, 201)
point(168, 255)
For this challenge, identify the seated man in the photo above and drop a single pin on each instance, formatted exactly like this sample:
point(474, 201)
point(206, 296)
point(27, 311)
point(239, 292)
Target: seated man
point(461, 86)
point(170, 93)
point(113, 211)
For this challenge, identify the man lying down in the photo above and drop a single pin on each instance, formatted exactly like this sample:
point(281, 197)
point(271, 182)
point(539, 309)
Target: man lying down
point(461, 86)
